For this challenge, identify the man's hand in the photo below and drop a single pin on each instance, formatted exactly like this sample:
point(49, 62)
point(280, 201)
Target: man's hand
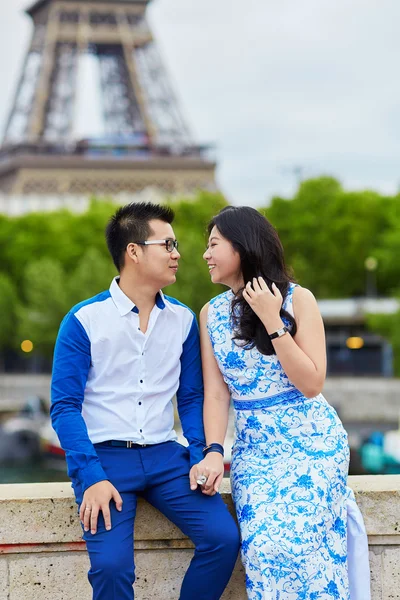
point(212, 467)
point(97, 498)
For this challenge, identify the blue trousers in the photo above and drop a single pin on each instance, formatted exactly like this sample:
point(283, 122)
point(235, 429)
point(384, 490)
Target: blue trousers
point(160, 474)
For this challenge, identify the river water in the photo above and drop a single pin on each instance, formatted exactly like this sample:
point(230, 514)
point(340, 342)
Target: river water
point(32, 472)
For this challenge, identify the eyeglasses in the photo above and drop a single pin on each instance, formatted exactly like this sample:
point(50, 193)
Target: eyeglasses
point(169, 244)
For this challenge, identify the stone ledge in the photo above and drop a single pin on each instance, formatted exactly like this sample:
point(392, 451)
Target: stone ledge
point(378, 497)
point(42, 556)
point(46, 513)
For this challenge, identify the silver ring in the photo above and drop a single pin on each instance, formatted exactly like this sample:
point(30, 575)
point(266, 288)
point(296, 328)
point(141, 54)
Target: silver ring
point(88, 508)
point(201, 479)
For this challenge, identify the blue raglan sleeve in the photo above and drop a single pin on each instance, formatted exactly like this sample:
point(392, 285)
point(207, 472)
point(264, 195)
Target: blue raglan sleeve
point(190, 394)
point(71, 365)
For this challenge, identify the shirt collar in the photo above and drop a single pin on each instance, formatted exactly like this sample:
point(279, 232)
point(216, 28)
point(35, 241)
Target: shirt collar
point(165, 302)
point(125, 304)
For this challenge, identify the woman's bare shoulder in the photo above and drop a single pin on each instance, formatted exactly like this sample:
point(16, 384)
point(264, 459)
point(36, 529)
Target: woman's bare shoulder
point(303, 295)
point(204, 312)
point(304, 301)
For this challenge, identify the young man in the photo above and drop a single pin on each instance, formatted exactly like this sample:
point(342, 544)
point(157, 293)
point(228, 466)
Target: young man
point(120, 357)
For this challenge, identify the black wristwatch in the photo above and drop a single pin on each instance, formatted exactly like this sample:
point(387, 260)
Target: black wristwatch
point(279, 333)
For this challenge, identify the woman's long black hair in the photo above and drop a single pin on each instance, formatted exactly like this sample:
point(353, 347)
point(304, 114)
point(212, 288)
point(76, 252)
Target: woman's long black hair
point(261, 254)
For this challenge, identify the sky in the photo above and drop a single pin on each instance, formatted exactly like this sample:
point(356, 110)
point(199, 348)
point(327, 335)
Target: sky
point(283, 88)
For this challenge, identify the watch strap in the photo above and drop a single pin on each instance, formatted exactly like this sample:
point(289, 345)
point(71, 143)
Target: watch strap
point(279, 333)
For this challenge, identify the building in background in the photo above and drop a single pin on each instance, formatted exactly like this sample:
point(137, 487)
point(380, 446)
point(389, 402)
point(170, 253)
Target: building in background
point(352, 350)
point(95, 60)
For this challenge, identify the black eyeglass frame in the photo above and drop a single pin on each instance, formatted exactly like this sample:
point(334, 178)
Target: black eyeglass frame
point(169, 243)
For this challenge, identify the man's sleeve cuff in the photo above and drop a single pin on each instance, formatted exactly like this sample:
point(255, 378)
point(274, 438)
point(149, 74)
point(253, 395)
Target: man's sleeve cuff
point(91, 475)
point(196, 454)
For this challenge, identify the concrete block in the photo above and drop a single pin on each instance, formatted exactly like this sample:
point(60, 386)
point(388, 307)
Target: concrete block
point(57, 576)
point(3, 579)
point(375, 563)
point(38, 514)
point(160, 574)
point(63, 576)
point(391, 573)
point(378, 497)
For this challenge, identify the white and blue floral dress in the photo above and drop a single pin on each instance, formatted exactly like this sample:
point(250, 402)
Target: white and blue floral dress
point(289, 478)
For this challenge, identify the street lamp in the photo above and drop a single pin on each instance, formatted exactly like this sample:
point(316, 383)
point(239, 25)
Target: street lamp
point(26, 346)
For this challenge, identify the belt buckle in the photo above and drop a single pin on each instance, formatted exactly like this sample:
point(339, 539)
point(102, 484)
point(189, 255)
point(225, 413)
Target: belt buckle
point(131, 444)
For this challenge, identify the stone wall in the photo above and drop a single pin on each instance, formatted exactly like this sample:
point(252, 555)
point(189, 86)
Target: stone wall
point(365, 399)
point(42, 556)
point(16, 389)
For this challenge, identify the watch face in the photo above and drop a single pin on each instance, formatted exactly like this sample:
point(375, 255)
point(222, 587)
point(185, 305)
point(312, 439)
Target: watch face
point(279, 333)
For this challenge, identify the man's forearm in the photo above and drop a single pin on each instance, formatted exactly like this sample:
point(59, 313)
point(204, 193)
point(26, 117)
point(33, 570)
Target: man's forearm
point(190, 395)
point(191, 417)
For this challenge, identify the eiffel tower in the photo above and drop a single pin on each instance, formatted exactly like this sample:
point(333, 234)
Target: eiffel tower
point(144, 140)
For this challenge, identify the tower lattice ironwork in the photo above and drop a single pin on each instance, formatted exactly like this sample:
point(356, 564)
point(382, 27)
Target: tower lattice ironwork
point(144, 142)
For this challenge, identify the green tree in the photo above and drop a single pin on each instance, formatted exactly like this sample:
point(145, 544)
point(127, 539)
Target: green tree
point(54, 260)
point(92, 275)
point(46, 303)
point(193, 286)
point(388, 248)
point(328, 233)
point(8, 302)
point(61, 235)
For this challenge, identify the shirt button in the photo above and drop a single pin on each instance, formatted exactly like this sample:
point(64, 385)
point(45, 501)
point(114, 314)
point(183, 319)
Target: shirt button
point(141, 381)
point(140, 430)
point(140, 404)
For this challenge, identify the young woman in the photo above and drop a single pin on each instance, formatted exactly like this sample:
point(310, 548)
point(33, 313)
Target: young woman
point(263, 346)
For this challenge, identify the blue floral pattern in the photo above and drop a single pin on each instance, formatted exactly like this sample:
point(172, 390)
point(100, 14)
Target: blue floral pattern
point(289, 474)
point(247, 373)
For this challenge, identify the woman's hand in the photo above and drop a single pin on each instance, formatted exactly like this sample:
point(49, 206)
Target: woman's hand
point(266, 304)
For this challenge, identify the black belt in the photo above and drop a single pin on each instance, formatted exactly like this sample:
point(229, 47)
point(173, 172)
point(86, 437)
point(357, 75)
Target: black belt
point(123, 444)
point(128, 444)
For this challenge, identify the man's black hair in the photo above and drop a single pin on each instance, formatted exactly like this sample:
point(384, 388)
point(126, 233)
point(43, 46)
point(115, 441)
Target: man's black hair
point(130, 223)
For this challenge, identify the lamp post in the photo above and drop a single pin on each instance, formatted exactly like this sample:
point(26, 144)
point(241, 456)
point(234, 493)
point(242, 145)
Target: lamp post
point(371, 265)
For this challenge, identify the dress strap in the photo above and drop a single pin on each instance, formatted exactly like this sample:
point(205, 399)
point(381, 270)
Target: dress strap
point(288, 302)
